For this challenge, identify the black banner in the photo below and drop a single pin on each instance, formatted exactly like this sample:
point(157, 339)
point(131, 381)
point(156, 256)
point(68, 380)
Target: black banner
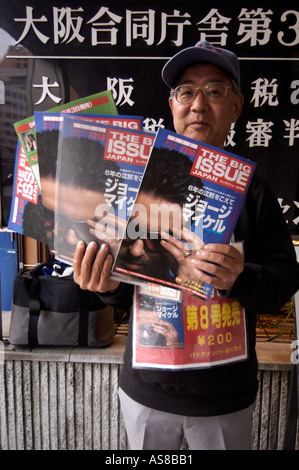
point(56, 51)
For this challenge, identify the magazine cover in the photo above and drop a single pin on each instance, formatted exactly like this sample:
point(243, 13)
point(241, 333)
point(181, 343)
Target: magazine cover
point(47, 126)
point(26, 212)
point(99, 170)
point(37, 221)
point(99, 103)
point(191, 194)
point(169, 334)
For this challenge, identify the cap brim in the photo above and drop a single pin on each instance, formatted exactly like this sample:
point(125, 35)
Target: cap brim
point(175, 66)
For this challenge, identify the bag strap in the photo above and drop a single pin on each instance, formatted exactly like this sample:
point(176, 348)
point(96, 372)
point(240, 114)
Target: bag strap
point(83, 317)
point(34, 303)
point(34, 312)
point(38, 269)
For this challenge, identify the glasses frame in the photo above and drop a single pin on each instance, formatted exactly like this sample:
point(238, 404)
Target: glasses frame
point(148, 238)
point(203, 89)
point(80, 227)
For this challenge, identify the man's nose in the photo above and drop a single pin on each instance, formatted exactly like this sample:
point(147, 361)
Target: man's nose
point(137, 248)
point(200, 102)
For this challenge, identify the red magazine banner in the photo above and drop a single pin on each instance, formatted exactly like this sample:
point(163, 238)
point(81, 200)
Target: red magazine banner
point(99, 103)
point(25, 199)
point(222, 169)
point(26, 126)
point(186, 335)
point(128, 148)
point(82, 107)
point(26, 187)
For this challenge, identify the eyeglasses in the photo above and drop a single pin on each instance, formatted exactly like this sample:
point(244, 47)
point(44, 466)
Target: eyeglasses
point(213, 92)
point(151, 240)
point(48, 219)
point(80, 227)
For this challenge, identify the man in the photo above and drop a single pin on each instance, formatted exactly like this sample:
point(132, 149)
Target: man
point(212, 407)
point(159, 210)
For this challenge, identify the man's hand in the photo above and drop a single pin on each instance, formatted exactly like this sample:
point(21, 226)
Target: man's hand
point(183, 250)
point(108, 229)
point(92, 268)
point(218, 265)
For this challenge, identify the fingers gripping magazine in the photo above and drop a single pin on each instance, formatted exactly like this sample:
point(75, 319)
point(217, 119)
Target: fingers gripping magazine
point(191, 194)
point(99, 170)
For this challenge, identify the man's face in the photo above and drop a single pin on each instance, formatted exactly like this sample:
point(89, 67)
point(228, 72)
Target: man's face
point(202, 120)
point(141, 250)
point(76, 207)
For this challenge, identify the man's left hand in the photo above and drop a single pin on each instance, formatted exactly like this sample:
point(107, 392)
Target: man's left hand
point(218, 265)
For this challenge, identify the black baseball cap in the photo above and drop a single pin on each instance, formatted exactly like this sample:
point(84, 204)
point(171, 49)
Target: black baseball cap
point(203, 51)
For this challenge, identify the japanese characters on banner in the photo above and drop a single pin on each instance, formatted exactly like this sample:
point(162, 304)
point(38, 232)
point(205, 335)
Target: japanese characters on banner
point(80, 48)
point(168, 334)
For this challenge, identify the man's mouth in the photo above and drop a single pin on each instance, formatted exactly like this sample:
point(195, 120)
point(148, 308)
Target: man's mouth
point(131, 266)
point(199, 125)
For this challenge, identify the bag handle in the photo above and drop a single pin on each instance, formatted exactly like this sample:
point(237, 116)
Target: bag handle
point(38, 269)
point(83, 317)
point(34, 302)
point(34, 312)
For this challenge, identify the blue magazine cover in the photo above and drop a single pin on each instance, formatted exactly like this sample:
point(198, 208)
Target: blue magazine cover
point(99, 170)
point(48, 125)
point(159, 321)
point(191, 194)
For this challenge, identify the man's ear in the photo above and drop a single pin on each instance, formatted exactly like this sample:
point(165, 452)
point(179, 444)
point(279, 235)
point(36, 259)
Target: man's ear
point(238, 106)
point(170, 102)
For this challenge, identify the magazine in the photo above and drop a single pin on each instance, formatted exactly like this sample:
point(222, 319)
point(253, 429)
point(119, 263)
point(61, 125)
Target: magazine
point(99, 103)
point(191, 194)
point(37, 221)
point(26, 212)
point(47, 127)
point(194, 333)
point(99, 170)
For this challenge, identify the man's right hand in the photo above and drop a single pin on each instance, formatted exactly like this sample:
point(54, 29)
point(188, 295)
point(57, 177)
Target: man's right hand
point(92, 268)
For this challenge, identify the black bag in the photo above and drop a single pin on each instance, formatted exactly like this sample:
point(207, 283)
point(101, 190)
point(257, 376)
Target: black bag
point(49, 310)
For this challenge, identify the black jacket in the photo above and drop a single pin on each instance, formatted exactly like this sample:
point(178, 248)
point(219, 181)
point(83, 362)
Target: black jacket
point(270, 278)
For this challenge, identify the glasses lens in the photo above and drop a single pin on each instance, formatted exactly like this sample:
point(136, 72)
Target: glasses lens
point(153, 245)
point(151, 240)
point(80, 227)
point(48, 218)
point(185, 94)
point(215, 91)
